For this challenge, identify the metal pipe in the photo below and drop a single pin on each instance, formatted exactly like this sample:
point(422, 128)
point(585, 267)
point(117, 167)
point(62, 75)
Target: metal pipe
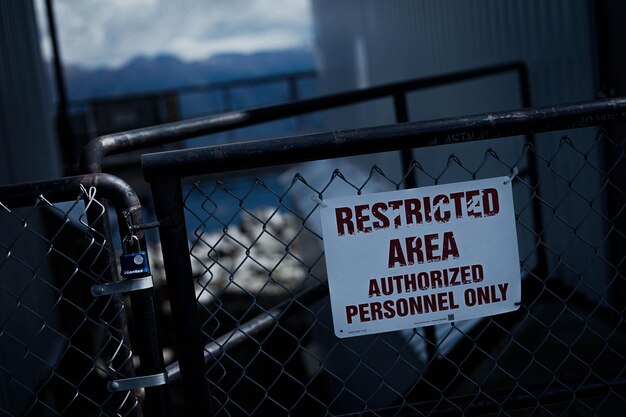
point(168, 202)
point(236, 337)
point(146, 341)
point(252, 328)
point(406, 156)
point(114, 189)
point(146, 338)
point(110, 274)
point(277, 151)
point(401, 110)
point(533, 173)
point(97, 149)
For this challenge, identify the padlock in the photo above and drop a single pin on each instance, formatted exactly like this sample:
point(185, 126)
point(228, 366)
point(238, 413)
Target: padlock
point(134, 264)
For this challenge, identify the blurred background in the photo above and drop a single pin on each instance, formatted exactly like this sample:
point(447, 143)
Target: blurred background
point(75, 70)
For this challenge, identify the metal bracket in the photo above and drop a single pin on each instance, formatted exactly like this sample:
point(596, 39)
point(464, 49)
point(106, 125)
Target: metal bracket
point(127, 384)
point(119, 287)
point(143, 226)
point(511, 177)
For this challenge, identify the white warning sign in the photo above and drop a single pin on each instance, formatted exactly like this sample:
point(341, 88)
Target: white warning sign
point(422, 256)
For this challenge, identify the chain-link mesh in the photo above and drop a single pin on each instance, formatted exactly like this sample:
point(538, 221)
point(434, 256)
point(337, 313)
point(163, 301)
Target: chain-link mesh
point(256, 243)
point(59, 345)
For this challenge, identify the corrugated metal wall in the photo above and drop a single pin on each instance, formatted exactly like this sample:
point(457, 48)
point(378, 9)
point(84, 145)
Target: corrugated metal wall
point(28, 151)
point(412, 38)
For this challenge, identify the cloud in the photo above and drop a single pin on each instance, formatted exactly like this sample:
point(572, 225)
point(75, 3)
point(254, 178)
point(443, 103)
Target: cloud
point(96, 33)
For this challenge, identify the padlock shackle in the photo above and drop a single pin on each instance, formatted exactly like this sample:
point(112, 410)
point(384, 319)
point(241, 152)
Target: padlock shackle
point(128, 240)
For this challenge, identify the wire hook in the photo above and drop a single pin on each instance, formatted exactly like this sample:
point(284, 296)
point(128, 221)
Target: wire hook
point(91, 198)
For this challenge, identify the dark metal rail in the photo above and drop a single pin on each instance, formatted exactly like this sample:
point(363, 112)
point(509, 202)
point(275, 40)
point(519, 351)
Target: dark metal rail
point(187, 331)
point(221, 158)
point(112, 188)
point(252, 328)
point(95, 151)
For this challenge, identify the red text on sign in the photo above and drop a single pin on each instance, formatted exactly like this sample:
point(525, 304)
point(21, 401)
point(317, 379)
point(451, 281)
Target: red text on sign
point(365, 218)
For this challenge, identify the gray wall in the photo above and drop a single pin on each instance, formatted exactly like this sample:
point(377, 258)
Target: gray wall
point(361, 44)
point(29, 149)
point(28, 349)
point(366, 43)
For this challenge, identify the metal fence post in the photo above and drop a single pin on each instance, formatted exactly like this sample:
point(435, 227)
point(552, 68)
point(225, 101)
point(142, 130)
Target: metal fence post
point(146, 340)
point(533, 174)
point(169, 208)
point(101, 224)
point(293, 95)
point(116, 143)
point(402, 116)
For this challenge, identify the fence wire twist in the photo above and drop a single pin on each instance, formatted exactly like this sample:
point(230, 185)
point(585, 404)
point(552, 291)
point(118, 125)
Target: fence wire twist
point(256, 248)
point(59, 345)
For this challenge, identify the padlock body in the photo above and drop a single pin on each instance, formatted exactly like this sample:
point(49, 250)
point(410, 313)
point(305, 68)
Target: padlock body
point(135, 265)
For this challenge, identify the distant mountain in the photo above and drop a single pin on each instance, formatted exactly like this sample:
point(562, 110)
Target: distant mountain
point(144, 74)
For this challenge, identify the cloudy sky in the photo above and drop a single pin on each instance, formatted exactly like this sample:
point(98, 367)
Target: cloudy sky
point(95, 33)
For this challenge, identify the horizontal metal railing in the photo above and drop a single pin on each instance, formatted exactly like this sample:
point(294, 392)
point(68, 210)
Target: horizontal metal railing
point(96, 150)
point(220, 158)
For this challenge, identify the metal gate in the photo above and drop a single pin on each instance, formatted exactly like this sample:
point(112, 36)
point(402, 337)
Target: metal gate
point(247, 281)
point(65, 345)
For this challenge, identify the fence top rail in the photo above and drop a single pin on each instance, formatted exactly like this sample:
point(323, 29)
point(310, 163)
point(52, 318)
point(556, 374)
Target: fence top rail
point(198, 88)
point(292, 149)
point(110, 187)
point(95, 151)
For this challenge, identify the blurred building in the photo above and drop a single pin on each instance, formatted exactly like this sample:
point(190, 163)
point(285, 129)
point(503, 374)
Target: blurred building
point(28, 152)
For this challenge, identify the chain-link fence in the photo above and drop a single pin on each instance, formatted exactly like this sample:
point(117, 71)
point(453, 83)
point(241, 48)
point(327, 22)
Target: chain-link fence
point(259, 276)
point(64, 335)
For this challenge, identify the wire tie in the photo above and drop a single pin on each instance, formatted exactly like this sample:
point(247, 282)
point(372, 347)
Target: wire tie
point(144, 226)
point(511, 177)
point(319, 201)
point(137, 382)
point(91, 195)
point(121, 287)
